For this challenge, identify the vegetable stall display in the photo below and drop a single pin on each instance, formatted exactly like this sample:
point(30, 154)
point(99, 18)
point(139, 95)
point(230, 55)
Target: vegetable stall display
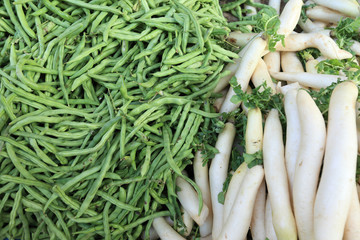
point(179, 119)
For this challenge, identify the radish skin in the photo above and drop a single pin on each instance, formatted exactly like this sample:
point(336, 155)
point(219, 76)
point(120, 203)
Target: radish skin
point(188, 198)
point(290, 62)
point(355, 47)
point(188, 221)
point(310, 66)
point(333, 197)
point(272, 60)
point(233, 189)
point(201, 175)
point(269, 227)
point(257, 224)
point(326, 45)
point(324, 14)
point(289, 17)
point(292, 135)
point(218, 173)
point(309, 161)
point(240, 39)
point(238, 223)
point(275, 4)
point(246, 68)
point(254, 131)
point(219, 101)
point(352, 226)
point(349, 8)
point(261, 75)
point(312, 80)
point(276, 178)
point(165, 231)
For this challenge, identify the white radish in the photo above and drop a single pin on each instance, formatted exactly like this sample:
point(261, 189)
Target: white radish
point(347, 7)
point(289, 16)
point(290, 62)
point(272, 60)
point(240, 39)
point(309, 161)
point(301, 41)
point(233, 189)
point(358, 190)
point(310, 66)
point(309, 26)
point(316, 81)
point(269, 227)
point(334, 193)
point(238, 223)
point(292, 135)
point(218, 173)
point(188, 198)
point(201, 176)
point(352, 226)
point(257, 224)
point(188, 222)
point(285, 89)
point(246, 68)
point(355, 47)
point(276, 178)
point(164, 230)
point(254, 132)
point(324, 14)
point(261, 75)
point(219, 101)
point(275, 4)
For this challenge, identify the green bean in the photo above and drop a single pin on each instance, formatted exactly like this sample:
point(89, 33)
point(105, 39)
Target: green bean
point(31, 119)
point(23, 22)
point(16, 162)
point(95, 186)
point(53, 227)
point(29, 182)
point(94, 7)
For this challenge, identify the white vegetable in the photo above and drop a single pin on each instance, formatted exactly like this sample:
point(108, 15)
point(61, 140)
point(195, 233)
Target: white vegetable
point(188, 198)
point(289, 16)
point(233, 189)
point(188, 221)
point(292, 135)
point(219, 101)
point(347, 7)
point(308, 164)
point(238, 223)
point(272, 60)
point(352, 226)
point(316, 81)
point(269, 227)
point(218, 173)
point(301, 41)
point(310, 66)
point(275, 4)
point(257, 225)
point(261, 75)
point(201, 175)
point(276, 178)
point(324, 14)
point(290, 62)
point(338, 175)
point(240, 39)
point(247, 66)
point(355, 47)
point(164, 230)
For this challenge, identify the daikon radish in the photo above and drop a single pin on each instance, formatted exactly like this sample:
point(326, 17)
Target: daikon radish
point(292, 86)
point(240, 39)
point(324, 14)
point(348, 7)
point(238, 223)
point(272, 60)
point(165, 231)
point(188, 222)
point(188, 198)
point(218, 173)
point(310, 66)
point(276, 178)
point(246, 68)
point(316, 81)
point(290, 62)
point(308, 164)
point(275, 4)
point(358, 189)
point(326, 45)
point(219, 101)
point(269, 227)
point(292, 135)
point(289, 16)
point(261, 75)
point(233, 189)
point(254, 132)
point(352, 226)
point(257, 224)
point(201, 175)
point(334, 193)
point(355, 47)
point(309, 26)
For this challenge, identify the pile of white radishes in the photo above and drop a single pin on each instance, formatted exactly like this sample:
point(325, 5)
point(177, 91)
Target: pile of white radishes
point(306, 188)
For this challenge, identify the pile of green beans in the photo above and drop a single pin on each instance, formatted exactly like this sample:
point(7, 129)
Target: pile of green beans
point(100, 101)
